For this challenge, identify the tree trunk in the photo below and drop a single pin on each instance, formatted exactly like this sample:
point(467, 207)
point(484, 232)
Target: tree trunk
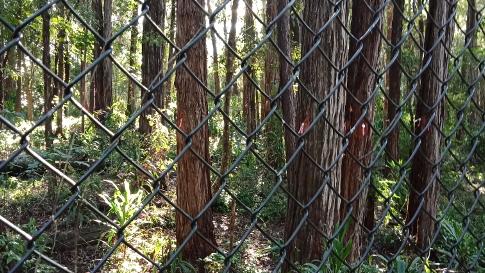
point(171, 52)
point(131, 99)
point(361, 85)
point(425, 169)
point(287, 99)
point(151, 61)
point(394, 79)
point(61, 38)
point(18, 93)
point(257, 98)
point(469, 67)
point(193, 179)
point(14, 87)
point(389, 13)
point(30, 99)
point(2, 65)
point(97, 81)
point(107, 65)
point(249, 91)
point(67, 71)
point(226, 143)
point(103, 89)
point(322, 143)
point(83, 89)
point(46, 60)
point(271, 68)
point(2, 91)
point(270, 62)
point(215, 58)
point(10, 67)
point(160, 95)
point(92, 91)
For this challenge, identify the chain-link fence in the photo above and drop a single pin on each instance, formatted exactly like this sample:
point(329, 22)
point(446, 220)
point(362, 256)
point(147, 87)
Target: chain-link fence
point(360, 124)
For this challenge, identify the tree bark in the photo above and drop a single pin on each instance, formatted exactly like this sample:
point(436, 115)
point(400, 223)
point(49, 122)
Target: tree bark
point(18, 93)
point(287, 99)
point(30, 99)
point(152, 62)
point(160, 95)
point(103, 89)
point(193, 179)
point(107, 65)
point(322, 143)
point(2, 65)
point(131, 99)
point(61, 38)
point(92, 91)
point(425, 168)
point(2, 91)
point(171, 52)
point(249, 91)
point(270, 62)
point(10, 64)
point(271, 69)
point(97, 83)
point(469, 67)
point(361, 86)
point(82, 88)
point(226, 143)
point(215, 58)
point(394, 79)
point(67, 71)
point(47, 80)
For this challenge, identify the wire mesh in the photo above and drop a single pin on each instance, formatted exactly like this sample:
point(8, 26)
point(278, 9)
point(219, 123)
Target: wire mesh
point(328, 138)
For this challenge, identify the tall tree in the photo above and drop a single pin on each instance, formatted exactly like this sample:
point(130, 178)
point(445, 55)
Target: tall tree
point(29, 92)
point(270, 73)
point(361, 85)
point(83, 90)
point(103, 89)
point(152, 62)
point(215, 58)
point(317, 170)
point(249, 91)
point(226, 143)
point(270, 62)
point(10, 63)
point(9, 66)
point(59, 63)
point(425, 168)
point(46, 60)
point(394, 80)
point(288, 98)
point(2, 91)
point(19, 57)
point(131, 99)
point(469, 70)
point(82, 84)
point(160, 96)
point(193, 179)
point(2, 65)
point(67, 65)
point(171, 52)
point(18, 90)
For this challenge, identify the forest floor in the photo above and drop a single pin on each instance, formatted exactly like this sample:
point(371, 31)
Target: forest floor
point(80, 239)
